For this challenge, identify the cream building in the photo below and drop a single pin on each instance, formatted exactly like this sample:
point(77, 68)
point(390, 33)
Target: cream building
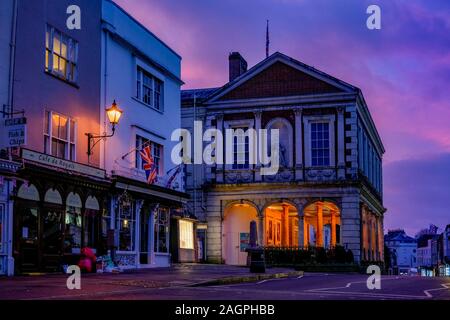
point(328, 190)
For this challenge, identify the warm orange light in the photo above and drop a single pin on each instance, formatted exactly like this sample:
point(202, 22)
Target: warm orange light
point(114, 113)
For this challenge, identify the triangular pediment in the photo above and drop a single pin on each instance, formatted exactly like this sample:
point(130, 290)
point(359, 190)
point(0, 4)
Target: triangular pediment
point(280, 76)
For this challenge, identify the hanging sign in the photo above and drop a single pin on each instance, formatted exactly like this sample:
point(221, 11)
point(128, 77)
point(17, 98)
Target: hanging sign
point(13, 132)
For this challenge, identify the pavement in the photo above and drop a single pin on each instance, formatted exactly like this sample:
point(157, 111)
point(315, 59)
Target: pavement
point(200, 282)
point(120, 285)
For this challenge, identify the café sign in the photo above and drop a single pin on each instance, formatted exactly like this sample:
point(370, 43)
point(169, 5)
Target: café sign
point(13, 132)
point(62, 163)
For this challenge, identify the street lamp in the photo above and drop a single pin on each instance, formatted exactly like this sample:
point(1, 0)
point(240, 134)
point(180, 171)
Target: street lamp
point(114, 113)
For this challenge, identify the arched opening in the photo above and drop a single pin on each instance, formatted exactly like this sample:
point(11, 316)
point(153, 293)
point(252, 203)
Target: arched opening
point(321, 224)
point(281, 225)
point(236, 232)
point(28, 192)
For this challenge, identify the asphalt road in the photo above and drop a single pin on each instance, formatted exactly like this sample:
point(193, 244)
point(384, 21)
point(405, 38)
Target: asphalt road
point(311, 286)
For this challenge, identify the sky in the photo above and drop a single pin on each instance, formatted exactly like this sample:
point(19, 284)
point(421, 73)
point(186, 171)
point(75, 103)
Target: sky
point(403, 70)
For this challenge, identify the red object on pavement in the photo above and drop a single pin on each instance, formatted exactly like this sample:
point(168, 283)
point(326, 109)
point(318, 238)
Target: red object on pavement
point(87, 260)
point(85, 264)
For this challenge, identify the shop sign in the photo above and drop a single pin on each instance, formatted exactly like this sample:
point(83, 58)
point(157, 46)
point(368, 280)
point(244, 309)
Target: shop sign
point(244, 240)
point(62, 164)
point(13, 132)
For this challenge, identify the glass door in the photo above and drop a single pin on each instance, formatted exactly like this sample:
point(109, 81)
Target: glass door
point(144, 240)
point(27, 235)
point(51, 239)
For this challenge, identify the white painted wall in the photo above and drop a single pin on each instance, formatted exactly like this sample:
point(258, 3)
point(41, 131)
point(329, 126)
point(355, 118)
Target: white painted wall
point(119, 64)
point(6, 16)
point(237, 220)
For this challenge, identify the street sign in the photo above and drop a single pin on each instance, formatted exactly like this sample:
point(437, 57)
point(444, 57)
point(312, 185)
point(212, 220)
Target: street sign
point(13, 132)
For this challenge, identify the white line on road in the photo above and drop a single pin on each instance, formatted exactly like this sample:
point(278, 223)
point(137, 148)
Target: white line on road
point(444, 287)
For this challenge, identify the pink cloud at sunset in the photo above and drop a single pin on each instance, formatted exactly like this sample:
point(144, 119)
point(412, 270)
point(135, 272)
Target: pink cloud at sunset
point(403, 70)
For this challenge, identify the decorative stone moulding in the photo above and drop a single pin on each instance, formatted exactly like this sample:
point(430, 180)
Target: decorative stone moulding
point(320, 174)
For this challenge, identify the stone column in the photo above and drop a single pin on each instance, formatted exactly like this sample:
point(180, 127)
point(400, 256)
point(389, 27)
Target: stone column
point(285, 226)
point(258, 115)
point(305, 232)
point(301, 231)
point(333, 228)
point(369, 235)
point(319, 231)
point(261, 231)
point(341, 143)
point(219, 167)
point(377, 248)
point(210, 175)
point(298, 145)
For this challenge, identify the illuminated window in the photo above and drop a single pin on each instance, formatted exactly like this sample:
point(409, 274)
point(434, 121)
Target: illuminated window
point(126, 224)
point(61, 55)
point(59, 136)
point(162, 230)
point(186, 234)
point(73, 221)
point(320, 144)
point(149, 89)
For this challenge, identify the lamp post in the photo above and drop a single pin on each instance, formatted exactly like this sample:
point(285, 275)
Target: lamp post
point(114, 113)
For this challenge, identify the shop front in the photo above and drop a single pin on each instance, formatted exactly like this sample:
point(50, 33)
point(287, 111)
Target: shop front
point(142, 215)
point(57, 212)
point(8, 180)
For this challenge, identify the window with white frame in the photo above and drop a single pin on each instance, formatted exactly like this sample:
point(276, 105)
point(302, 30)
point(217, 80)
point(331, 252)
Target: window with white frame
point(149, 89)
point(61, 55)
point(60, 136)
point(186, 234)
point(241, 155)
point(320, 144)
point(157, 151)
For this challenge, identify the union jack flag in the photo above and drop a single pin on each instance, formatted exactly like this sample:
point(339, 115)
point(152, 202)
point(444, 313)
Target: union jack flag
point(149, 165)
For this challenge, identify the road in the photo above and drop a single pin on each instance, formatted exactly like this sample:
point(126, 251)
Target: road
point(310, 286)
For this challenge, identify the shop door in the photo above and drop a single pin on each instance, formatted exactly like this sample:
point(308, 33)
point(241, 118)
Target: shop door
point(27, 235)
point(51, 239)
point(144, 238)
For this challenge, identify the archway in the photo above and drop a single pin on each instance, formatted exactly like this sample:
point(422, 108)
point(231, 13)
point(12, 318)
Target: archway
point(236, 232)
point(281, 225)
point(321, 224)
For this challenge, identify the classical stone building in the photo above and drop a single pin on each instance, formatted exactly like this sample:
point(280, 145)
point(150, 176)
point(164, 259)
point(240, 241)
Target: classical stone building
point(328, 190)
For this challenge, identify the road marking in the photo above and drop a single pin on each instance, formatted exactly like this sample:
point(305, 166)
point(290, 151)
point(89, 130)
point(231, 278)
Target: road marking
point(444, 287)
point(321, 294)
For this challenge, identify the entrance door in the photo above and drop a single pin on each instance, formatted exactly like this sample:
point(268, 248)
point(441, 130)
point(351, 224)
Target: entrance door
point(144, 238)
point(51, 239)
point(27, 235)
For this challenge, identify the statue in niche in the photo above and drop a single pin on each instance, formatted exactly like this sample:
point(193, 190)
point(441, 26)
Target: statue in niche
point(283, 155)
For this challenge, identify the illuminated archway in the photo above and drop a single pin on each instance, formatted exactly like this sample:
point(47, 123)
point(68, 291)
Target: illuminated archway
point(321, 224)
point(281, 225)
point(236, 232)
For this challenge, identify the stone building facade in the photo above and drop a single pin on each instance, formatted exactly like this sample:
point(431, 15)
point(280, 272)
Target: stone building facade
point(328, 190)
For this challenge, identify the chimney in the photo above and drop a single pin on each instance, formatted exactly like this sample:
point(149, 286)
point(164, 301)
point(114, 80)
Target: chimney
point(237, 65)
